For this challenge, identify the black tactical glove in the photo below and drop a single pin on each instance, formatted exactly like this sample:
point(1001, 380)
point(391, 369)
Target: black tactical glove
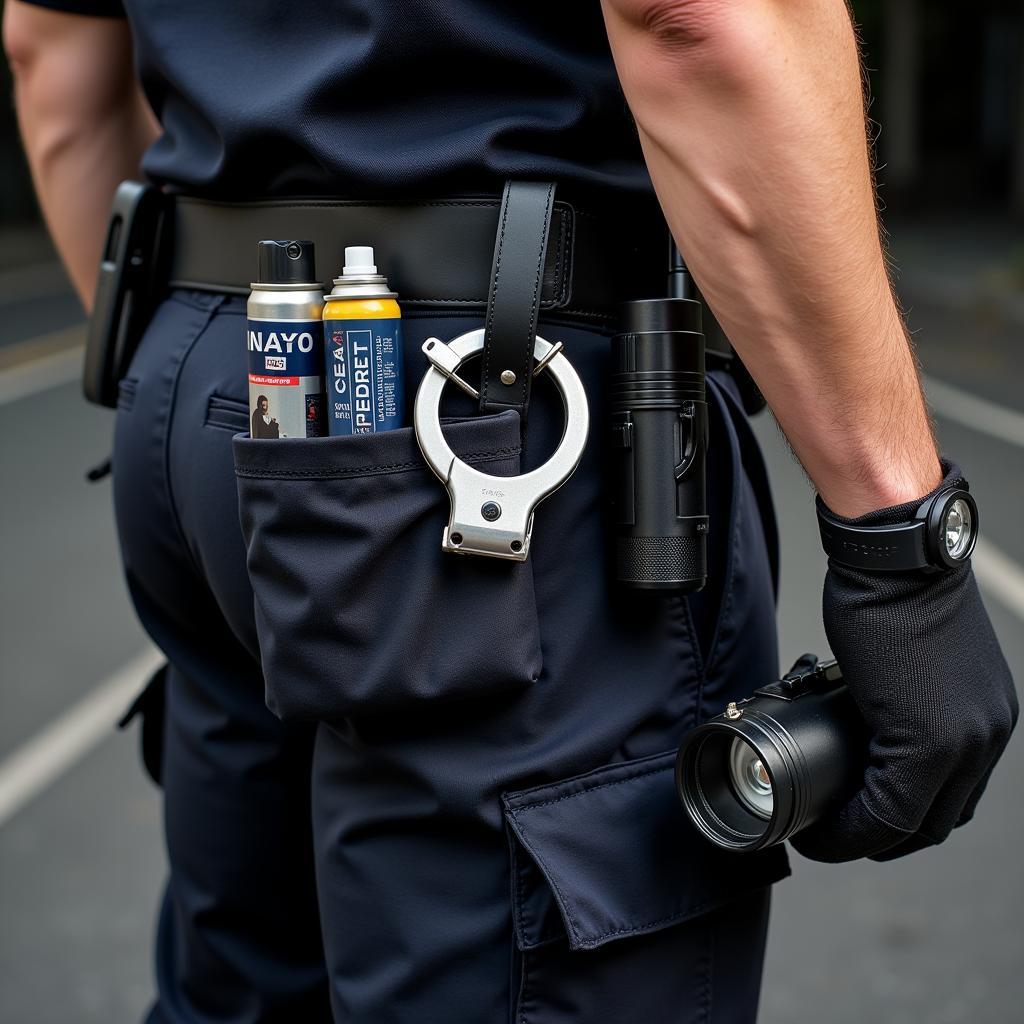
point(923, 664)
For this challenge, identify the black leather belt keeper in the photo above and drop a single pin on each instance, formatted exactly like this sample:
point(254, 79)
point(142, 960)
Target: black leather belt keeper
point(513, 299)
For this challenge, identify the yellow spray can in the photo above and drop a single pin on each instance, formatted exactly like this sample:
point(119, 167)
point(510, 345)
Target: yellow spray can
point(363, 348)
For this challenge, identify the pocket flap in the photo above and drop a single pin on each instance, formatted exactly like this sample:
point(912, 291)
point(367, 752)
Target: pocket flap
point(611, 853)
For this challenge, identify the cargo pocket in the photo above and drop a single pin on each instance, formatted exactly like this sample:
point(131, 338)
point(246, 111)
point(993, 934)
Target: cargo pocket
point(358, 611)
point(615, 896)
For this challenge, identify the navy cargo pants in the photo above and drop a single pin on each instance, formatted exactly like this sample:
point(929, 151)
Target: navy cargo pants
point(463, 810)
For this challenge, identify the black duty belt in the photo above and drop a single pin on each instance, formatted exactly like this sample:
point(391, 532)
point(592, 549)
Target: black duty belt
point(513, 258)
point(436, 253)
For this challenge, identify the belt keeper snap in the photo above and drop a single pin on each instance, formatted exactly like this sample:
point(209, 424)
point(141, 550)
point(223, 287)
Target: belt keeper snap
point(492, 516)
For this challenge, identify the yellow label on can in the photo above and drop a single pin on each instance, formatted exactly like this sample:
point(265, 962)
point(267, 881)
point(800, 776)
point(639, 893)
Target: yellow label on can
point(364, 373)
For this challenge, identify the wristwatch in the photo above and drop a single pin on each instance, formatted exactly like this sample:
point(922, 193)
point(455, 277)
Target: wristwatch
point(938, 537)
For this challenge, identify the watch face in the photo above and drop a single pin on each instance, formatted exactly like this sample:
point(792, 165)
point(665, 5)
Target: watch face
point(952, 528)
point(958, 529)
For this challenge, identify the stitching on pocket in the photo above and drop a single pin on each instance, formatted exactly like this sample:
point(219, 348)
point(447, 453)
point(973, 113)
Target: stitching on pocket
point(373, 469)
point(593, 789)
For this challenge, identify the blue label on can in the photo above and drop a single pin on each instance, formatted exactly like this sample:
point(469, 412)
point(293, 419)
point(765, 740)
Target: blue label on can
point(364, 375)
point(285, 378)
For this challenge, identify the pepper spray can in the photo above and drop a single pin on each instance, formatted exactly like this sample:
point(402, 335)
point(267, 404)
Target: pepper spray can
point(363, 341)
point(285, 339)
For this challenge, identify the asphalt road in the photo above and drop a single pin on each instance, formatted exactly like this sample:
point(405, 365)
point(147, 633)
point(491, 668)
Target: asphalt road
point(936, 937)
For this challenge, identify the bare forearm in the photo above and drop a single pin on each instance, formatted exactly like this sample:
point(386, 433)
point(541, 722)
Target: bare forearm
point(84, 124)
point(751, 120)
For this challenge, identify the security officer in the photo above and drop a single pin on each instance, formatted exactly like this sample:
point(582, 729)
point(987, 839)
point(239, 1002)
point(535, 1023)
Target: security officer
point(495, 835)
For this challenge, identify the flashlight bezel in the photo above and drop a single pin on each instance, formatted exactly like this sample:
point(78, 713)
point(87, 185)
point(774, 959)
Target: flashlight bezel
point(703, 765)
point(809, 736)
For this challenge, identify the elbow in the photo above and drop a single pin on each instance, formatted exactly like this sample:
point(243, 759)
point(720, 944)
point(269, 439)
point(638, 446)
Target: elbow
point(679, 26)
point(713, 42)
point(22, 46)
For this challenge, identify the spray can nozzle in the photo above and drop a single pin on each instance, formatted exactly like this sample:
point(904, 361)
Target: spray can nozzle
point(358, 261)
point(288, 261)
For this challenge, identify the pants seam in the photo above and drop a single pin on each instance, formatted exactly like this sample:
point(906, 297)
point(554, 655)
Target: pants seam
point(696, 660)
point(733, 522)
point(524, 988)
point(707, 972)
point(171, 416)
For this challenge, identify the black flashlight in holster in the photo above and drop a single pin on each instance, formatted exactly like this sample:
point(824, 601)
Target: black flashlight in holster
point(770, 765)
point(659, 440)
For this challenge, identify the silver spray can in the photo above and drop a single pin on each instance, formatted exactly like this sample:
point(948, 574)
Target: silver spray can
point(285, 342)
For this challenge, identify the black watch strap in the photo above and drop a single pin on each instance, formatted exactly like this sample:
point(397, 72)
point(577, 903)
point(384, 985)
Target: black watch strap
point(935, 533)
point(514, 296)
point(899, 548)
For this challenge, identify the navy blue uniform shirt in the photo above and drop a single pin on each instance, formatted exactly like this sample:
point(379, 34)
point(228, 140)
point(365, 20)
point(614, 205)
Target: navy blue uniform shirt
point(379, 97)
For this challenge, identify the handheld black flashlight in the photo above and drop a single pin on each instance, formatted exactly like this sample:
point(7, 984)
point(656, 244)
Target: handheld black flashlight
point(770, 765)
point(659, 423)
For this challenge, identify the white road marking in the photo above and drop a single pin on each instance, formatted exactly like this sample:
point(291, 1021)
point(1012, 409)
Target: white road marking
point(36, 375)
point(1000, 575)
point(977, 413)
point(33, 766)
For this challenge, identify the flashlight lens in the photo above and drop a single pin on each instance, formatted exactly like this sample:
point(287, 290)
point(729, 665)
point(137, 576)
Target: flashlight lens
point(750, 780)
point(958, 528)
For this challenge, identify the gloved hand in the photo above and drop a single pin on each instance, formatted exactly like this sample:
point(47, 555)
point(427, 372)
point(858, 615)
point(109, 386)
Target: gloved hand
point(922, 662)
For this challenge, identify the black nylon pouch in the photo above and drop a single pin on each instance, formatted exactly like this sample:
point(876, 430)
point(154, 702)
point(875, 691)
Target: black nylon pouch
point(358, 610)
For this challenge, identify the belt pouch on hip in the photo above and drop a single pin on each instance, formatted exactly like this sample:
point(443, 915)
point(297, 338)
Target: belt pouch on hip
point(359, 611)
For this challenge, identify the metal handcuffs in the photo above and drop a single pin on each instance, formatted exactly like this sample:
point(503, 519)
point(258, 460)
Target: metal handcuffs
point(493, 515)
